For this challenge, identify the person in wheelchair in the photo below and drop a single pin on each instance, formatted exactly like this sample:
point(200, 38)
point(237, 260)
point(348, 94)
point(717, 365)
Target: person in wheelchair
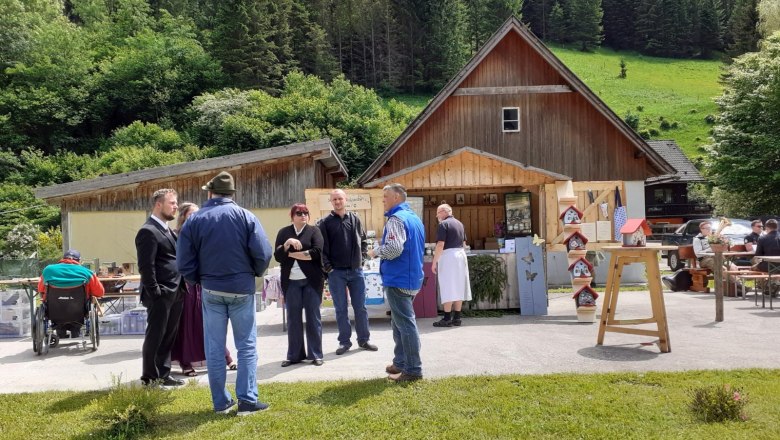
point(69, 272)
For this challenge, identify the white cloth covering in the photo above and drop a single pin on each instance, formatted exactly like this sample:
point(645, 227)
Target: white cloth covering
point(453, 276)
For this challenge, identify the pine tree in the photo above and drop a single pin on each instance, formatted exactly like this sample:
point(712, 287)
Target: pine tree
point(585, 24)
point(711, 34)
point(743, 28)
point(619, 23)
point(557, 29)
point(536, 13)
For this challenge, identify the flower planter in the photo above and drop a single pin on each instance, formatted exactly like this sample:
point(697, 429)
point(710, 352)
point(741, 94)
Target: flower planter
point(719, 247)
point(586, 314)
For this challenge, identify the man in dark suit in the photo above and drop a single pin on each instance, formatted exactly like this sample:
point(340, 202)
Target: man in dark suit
point(161, 288)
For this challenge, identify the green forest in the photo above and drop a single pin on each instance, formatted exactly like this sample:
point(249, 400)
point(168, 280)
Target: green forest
point(95, 87)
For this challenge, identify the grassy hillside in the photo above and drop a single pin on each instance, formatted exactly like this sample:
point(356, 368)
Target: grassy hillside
point(680, 91)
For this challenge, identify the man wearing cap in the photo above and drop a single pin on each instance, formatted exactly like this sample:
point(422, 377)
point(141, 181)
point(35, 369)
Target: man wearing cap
point(68, 272)
point(162, 288)
point(223, 247)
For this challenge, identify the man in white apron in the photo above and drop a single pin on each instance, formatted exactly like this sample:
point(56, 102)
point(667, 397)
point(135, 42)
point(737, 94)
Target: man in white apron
point(451, 267)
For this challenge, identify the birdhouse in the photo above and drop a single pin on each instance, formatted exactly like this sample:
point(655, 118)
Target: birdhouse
point(571, 216)
point(576, 241)
point(635, 232)
point(586, 297)
point(581, 269)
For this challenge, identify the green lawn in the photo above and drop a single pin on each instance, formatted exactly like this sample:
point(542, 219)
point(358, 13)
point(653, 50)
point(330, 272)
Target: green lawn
point(681, 91)
point(561, 406)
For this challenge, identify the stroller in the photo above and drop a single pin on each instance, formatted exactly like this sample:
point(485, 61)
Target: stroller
point(65, 309)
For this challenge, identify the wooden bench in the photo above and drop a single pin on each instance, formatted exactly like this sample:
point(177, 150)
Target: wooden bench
point(700, 277)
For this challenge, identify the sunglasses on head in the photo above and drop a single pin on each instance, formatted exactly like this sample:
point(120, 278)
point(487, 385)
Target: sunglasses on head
point(301, 213)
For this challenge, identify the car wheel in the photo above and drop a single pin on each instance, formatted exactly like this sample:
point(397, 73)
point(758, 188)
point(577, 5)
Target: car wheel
point(674, 261)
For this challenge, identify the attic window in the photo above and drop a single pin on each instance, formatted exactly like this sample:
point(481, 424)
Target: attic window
point(511, 119)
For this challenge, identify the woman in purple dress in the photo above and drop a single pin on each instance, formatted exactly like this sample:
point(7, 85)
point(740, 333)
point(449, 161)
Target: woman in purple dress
point(189, 346)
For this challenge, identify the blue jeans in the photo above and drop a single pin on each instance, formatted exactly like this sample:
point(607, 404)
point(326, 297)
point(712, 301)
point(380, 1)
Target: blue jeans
point(407, 339)
point(339, 280)
point(240, 310)
point(300, 297)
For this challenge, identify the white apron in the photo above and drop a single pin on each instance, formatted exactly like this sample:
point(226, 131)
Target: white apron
point(453, 276)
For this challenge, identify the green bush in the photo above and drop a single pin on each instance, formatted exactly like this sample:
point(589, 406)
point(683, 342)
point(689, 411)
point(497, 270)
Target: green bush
point(718, 403)
point(129, 410)
point(710, 119)
point(632, 120)
point(488, 278)
point(664, 125)
point(653, 132)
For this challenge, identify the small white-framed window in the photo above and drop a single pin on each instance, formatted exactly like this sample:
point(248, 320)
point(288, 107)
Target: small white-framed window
point(510, 119)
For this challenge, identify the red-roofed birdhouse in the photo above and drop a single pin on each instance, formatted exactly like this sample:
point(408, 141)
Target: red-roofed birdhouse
point(571, 216)
point(576, 241)
point(635, 232)
point(581, 268)
point(586, 297)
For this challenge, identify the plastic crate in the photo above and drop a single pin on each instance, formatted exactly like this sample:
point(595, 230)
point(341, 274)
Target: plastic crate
point(14, 297)
point(15, 313)
point(111, 324)
point(134, 321)
point(15, 329)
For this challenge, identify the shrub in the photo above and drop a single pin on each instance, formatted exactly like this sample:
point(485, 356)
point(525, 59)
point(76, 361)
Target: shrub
point(664, 125)
point(675, 125)
point(488, 278)
point(632, 120)
point(710, 119)
point(640, 108)
point(644, 134)
point(718, 403)
point(693, 111)
point(129, 410)
point(653, 132)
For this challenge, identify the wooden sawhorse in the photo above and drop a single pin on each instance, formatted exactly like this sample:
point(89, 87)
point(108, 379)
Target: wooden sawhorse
point(620, 256)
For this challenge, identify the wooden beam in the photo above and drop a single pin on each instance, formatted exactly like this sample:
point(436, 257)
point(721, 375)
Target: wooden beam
point(514, 90)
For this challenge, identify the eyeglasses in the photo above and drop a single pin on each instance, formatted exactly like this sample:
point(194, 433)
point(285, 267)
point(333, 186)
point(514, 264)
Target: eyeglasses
point(301, 213)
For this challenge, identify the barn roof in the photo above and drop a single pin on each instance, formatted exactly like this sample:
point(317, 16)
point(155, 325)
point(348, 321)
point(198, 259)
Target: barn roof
point(685, 169)
point(514, 25)
point(321, 150)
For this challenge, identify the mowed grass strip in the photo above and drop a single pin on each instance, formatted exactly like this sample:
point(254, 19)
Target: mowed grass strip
point(681, 91)
point(560, 406)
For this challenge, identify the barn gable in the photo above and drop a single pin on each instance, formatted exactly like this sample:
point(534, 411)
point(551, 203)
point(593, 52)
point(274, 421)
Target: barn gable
point(563, 127)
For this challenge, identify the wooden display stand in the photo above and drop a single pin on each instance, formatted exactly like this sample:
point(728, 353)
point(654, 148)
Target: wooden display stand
point(622, 256)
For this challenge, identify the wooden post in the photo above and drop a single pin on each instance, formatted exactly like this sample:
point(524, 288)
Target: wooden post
point(717, 273)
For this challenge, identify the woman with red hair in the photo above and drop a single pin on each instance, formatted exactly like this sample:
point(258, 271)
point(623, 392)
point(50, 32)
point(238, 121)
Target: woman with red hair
point(298, 249)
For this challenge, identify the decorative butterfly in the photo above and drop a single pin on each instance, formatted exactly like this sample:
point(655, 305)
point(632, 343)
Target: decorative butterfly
point(530, 275)
point(528, 259)
point(538, 241)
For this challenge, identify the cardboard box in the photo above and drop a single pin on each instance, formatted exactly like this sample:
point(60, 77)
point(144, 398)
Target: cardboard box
point(492, 246)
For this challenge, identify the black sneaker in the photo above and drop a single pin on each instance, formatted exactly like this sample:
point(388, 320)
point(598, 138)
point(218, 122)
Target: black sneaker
point(171, 382)
point(368, 346)
point(342, 349)
point(228, 408)
point(457, 322)
point(443, 323)
point(246, 408)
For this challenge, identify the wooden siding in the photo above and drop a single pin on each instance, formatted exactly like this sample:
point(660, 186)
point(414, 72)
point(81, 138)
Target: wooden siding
point(469, 170)
point(265, 185)
point(559, 132)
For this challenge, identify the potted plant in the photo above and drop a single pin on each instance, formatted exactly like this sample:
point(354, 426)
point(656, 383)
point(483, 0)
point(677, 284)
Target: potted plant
point(718, 243)
point(488, 278)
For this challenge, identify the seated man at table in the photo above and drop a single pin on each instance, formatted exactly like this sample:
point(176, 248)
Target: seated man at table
point(705, 255)
point(751, 240)
point(69, 272)
point(768, 245)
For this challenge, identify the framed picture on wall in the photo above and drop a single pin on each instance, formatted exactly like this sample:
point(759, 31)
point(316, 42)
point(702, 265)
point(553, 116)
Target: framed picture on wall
point(460, 199)
point(518, 214)
point(493, 198)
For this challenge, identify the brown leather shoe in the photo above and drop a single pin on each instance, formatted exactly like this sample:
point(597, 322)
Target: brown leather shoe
point(403, 377)
point(392, 369)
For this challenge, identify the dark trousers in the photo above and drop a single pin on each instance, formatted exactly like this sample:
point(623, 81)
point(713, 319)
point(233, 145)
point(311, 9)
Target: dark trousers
point(162, 325)
point(300, 297)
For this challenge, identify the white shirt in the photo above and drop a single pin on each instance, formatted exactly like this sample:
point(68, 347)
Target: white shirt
point(162, 223)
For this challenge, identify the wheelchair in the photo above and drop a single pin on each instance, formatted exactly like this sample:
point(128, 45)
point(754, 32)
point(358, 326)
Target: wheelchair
point(65, 308)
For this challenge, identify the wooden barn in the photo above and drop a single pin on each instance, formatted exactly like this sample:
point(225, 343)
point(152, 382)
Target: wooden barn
point(507, 137)
point(101, 216)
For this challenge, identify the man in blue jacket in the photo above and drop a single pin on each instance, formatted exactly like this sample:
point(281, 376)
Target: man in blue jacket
point(223, 247)
point(401, 267)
